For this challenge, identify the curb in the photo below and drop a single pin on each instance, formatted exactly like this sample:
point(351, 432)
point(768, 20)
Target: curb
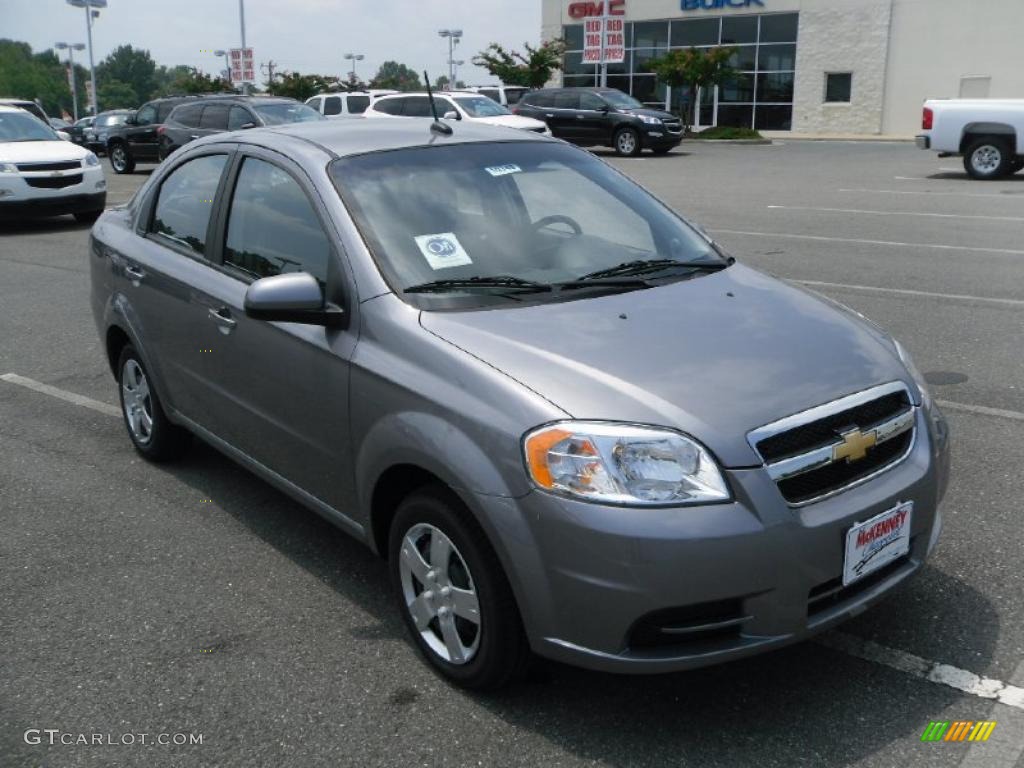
point(747, 142)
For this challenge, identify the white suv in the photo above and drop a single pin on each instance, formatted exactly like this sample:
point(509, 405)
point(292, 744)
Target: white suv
point(506, 95)
point(347, 104)
point(454, 105)
point(42, 175)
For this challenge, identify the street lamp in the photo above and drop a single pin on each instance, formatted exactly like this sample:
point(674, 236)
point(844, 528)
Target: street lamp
point(354, 57)
point(455, 72)
point(72, 47)
point(227, 63)
point(453, 36)
point(89, 14)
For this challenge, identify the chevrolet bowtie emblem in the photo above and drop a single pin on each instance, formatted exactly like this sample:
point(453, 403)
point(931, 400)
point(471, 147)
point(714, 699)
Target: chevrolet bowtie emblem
point(855, 445)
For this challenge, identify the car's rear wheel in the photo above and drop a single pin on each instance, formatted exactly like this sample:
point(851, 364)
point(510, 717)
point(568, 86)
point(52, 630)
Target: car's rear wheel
point(453, 594)
point(153, 436)
point(627, 142)
point(121, 160)
point(988, 158)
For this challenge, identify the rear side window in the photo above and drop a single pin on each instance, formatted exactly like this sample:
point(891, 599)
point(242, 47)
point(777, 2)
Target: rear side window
point(417, 106)
point(566, 101)
point(215, 117)
point(357, 104)
point(163, 110)
point(538, 99)
point(332, 105)
point(272, 227)
point(188, 115)
point(389, 106)
point(239, 116)
point(182, 210)
point(490, 93)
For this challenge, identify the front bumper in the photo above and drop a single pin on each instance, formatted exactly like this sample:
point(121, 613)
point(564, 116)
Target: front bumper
point(658, 137)
point(596, 583)
point(53, 206)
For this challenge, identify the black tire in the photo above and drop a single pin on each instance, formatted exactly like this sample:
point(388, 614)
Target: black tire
point(88, 217)
point(164, 441)
point(502, 653)
point(121, 159)
point(987, 158)
point(627, 142)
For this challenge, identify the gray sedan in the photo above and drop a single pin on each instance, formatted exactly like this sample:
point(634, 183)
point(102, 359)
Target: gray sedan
point(572, 425)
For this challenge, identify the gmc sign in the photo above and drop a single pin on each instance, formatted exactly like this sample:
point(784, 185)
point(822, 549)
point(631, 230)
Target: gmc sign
point(585, 8)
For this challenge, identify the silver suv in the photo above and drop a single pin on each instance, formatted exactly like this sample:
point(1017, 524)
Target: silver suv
point(571, 424)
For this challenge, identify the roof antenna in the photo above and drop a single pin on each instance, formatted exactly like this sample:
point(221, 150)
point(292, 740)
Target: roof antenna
point(437, 126)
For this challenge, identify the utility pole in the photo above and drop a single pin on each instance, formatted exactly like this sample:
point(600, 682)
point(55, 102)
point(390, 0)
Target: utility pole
point(72, 47)
point(268, 70)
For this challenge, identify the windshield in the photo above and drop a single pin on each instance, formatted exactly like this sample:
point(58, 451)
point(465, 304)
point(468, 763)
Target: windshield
point(621, 100)
point(481, 106)
point(276, 114)
point(21, 126)
point(539, 212)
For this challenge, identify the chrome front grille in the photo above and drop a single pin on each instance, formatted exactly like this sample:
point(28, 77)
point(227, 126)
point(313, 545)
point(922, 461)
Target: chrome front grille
point(831, 447)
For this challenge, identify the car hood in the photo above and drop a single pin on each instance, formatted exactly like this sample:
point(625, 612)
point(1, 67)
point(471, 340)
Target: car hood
point(714, 356)
point(510, 121)
point(40, 151)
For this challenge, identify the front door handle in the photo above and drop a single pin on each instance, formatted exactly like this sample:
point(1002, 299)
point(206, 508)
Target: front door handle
point(194, 136)
point(134, 274)
point(549, 114)
point(579, 117)
point(222, 317)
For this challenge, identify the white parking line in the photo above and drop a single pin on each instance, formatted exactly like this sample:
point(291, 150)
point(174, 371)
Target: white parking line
point(927, 194)
point(923, 669)
point(912, 292)
point(889, 243)
point(893, 213)
point(63, 394)
point(981, 410)
point(1006, 745)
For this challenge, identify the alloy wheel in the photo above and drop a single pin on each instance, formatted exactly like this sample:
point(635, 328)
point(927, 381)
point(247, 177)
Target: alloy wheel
point(136, 401)
point(440, 594)
point(626, 142)
point(987, 159)
point(118, 159)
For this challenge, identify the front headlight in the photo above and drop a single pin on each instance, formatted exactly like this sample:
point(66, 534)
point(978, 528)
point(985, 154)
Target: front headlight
point(622, 464)
point(650, 120)
point(8, 168)
point(91, 159)
point(918, 377)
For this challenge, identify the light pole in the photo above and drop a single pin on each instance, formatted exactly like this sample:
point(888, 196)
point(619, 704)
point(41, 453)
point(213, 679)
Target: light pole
point(354, 57)
point(455, 73)
point(241, 18)
point(89, 5)
point(227, 63)
point(453, 36)
point(72, 47)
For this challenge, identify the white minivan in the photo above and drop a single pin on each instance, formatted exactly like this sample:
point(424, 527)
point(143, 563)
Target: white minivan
point(346, 104)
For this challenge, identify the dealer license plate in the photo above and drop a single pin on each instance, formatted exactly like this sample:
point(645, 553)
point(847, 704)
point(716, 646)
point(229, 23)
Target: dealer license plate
point(877, 542)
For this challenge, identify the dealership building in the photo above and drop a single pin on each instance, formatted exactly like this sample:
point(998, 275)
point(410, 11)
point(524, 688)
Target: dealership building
point(809, 66)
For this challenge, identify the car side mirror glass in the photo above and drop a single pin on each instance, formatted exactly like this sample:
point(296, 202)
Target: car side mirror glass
point(451, 114)
point(245, 126)
point(295, 297)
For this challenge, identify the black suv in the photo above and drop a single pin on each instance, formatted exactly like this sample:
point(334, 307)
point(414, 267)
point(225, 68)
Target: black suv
point(214, 114)
point(137, 140)
point(602, 117)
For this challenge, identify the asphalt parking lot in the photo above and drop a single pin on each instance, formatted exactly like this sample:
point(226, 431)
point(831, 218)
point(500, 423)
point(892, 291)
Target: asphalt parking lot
point(194, 598)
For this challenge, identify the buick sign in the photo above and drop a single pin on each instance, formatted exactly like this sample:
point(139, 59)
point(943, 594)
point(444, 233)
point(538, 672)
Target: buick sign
point(711, 5)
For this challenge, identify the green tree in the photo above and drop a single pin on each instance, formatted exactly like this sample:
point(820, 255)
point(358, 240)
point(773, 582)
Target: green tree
point(532, 69)
point(114, 94)
point(693, 68)
point(42, 76)
point(133, 67)
point(298, 86)
point(190, 80)
point(351, 83)
point(397, 77)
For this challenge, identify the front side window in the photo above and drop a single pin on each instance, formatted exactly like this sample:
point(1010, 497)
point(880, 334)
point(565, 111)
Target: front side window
point(838, 87)
point(146, 115)
point(184, 202)
point(278, 114)
point(591, 101)
point(215, 117)
point(272, 227)
point(481, 106)
point(566, 100)
point(239, 116)
point(546, 213)
point(357, 104)
point(332, 105)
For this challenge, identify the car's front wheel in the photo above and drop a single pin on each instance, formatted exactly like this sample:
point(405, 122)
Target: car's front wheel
point(453, 594)
point(120, 159)
point(627, 142)
point(988, 158)
point(152, 434)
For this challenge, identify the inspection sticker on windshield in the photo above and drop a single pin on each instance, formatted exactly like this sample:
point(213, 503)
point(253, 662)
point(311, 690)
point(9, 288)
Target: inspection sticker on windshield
point(503, 170)
point(877, 542)
point(442, 250)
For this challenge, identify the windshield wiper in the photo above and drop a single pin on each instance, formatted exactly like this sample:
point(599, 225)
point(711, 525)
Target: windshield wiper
point(647, 266)
point(479, 281)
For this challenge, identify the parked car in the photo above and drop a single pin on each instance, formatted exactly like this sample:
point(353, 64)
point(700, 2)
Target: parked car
point(567, 419)
point(603, 117)
point(506, 95)
point(347, 104)
point(28, 106)
point(988, 133)
point(96, 135)
point(137, 140)
point(77, 131)
point(452, 105)
point(43, 175)
point(210, 115)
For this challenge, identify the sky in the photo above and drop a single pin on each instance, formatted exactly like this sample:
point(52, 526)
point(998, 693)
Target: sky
point(308, 36)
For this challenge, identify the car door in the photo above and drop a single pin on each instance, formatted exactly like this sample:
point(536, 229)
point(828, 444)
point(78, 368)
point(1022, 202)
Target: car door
point(592, 120)
point(277, 391)
point(561, 117)
point(214, 119)
point(240, 117)
point(169, 256)
point(141, 136)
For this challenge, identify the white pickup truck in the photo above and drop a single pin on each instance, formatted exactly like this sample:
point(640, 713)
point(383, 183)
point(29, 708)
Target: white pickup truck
point(988, 133)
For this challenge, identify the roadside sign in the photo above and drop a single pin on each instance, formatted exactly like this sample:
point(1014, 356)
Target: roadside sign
point(243, 69)
point(604, 40)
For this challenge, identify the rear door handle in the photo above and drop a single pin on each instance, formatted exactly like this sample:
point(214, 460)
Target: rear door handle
point(580, 117)
point(194, 136)
point(134, 274)
point(222, 317)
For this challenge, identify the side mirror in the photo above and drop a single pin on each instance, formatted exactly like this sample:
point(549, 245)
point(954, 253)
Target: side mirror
point(605, 109)
point(246, 126)
point(451, 114)
point(294, 297)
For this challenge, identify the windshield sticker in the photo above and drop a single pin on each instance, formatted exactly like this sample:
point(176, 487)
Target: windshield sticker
point(442, 250)
point(503, 170)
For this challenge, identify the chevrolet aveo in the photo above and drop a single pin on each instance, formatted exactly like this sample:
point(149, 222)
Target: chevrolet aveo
point(571, 424)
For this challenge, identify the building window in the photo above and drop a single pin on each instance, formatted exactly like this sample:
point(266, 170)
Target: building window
point(838, 86)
